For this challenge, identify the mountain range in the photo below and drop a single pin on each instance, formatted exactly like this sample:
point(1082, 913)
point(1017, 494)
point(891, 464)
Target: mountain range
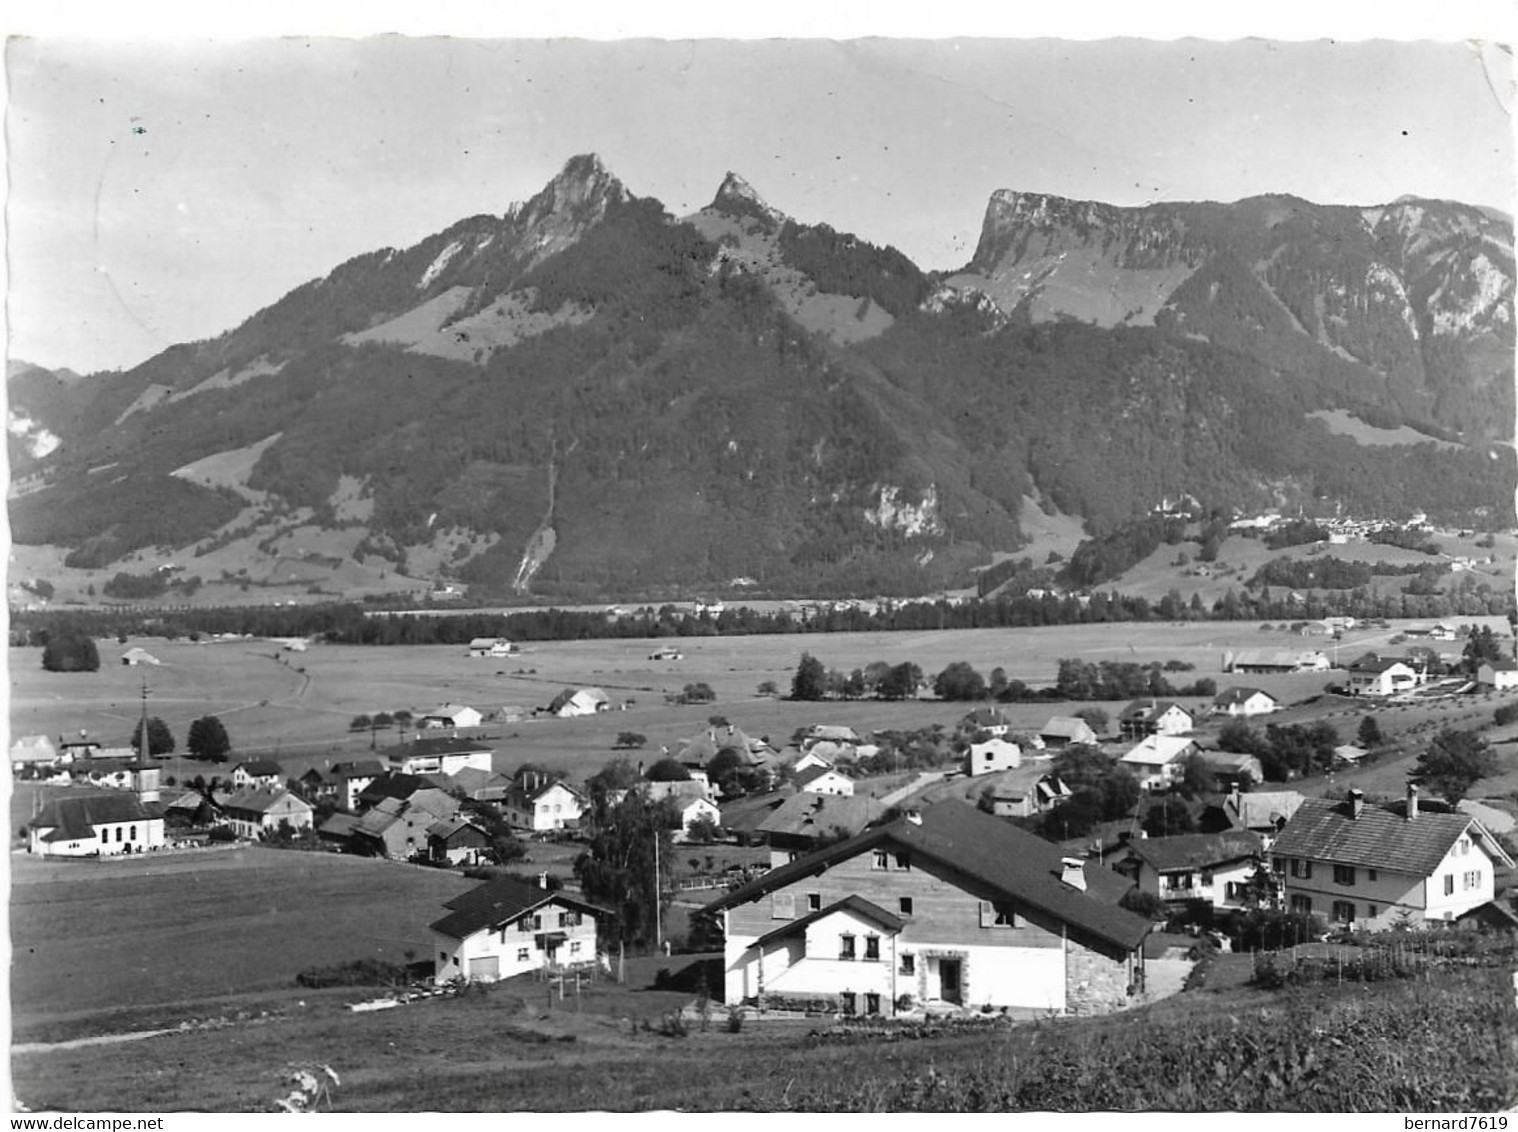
point(587, 396)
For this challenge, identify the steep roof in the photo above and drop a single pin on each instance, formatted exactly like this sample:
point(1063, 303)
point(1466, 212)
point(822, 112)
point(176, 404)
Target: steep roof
point(856, 904)
point(261, 800)
point(1158, 749)
point(1262, 810)
point(441, 745)
point(812, 773)
point(74, 819)
point(1197, 850)
point(1067, 726)
point(1379, 838)
point(1375, 665)
point(1006, 860)
point(816, 815)
point(1239, 696)
point(499, 901)
point(1151, 709)
point(260, 768)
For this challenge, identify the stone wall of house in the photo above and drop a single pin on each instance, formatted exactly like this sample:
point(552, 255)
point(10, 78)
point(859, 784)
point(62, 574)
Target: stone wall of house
point(1094, 984)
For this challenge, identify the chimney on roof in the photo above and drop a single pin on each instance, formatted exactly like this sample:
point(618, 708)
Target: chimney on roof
point(1074, 873)
point(1356, 802)
point(1412, 801)
point(1233, 795)
point(914, 817)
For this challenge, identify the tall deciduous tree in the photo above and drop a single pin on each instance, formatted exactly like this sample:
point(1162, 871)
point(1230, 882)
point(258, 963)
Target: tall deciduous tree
point(70, 650)
point(160, 738)
point(208, 740)
point(811, 679)
point(959, 681)
point(1454, 762)
point(617, 869)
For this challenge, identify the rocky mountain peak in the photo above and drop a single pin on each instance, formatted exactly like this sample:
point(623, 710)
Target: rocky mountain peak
point(736, 197)
point(582, 189)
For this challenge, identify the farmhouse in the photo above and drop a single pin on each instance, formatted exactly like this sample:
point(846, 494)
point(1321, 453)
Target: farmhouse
point(584, 701)
point(489, 646)
point(831, 732)
point(1237, 702)
point(1274, 661)
point(80, 750)
point(135, 656)
point(1157, 760)
point(456, 840)
point(543, 806)
point(1154, 717)
point(1023, 792)
point(260, 774)
point(812, 758)
point(691, 811)
point(1214, 867)
point(1498, 674)
point(1066, 731)
point(1230, 766)
point(1376, 867)
point(1263, 813)
point(824, 780)
point(251, 812)
point(992, 756)
point(98, 825)
point(950, 906)
point(446, 754)
point(452, 716)
point(803, 821)
point(507, 927)
point(694, 753)
point(1347, 754)
point(352, 778)
point(398, 828)
point(1373, 675)
point(33, 751)
point(992, 721)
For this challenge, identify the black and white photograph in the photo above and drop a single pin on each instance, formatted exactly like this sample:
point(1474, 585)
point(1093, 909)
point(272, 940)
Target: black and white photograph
point(867, 564)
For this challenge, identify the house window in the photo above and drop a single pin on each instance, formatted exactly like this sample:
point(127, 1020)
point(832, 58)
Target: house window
point(1301, 905)
point(1370, 874)
point(1181, 882)
point(1344, 911)
point(132, 833)
point(455, 960)
point(1449, 885)
point(849, 1001)
point(1371, 911)
point(904, 905)
point(903, 860)
point(871, 1003)
point(872, 948)
point(993, 917)
point(908, 963)
point(524, 924)
point(1301, 869)
point(524, 954)
point(574, 947)
point(1465, 846)
point(846, 946)
point(1472, 880)
point(1344, 874)
point(442, 957)
point(880, 859)
point(783, 906)
point(118, 833)
point(814, 901)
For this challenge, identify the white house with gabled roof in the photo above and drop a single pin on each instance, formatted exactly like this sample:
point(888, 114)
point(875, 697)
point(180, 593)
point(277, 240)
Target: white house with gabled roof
point(1376, 867)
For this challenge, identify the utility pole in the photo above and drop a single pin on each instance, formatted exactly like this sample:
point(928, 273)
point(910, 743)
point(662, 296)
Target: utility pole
point(658, 895)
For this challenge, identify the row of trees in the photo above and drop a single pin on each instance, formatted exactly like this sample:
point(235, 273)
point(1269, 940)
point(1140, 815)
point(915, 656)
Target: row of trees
point(813, 681)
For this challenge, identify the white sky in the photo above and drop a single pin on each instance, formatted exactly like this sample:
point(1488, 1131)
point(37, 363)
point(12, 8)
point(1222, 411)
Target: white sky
point(163, 190)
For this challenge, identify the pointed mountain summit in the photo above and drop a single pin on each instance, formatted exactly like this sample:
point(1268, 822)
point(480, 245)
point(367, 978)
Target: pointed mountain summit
point(737, 198)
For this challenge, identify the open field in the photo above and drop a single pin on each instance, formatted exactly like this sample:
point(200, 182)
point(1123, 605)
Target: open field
point(298, 705)
point(95, 935)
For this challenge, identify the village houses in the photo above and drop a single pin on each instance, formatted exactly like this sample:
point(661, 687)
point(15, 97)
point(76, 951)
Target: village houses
point(1154, 717)
point(508, 927)
point(1377, 867)
point(949, 905)
point(251, 812)
point(1157, 761)
point(1216, 868)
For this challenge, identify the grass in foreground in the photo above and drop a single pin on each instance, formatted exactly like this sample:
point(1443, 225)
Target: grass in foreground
point(1449, 1042)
